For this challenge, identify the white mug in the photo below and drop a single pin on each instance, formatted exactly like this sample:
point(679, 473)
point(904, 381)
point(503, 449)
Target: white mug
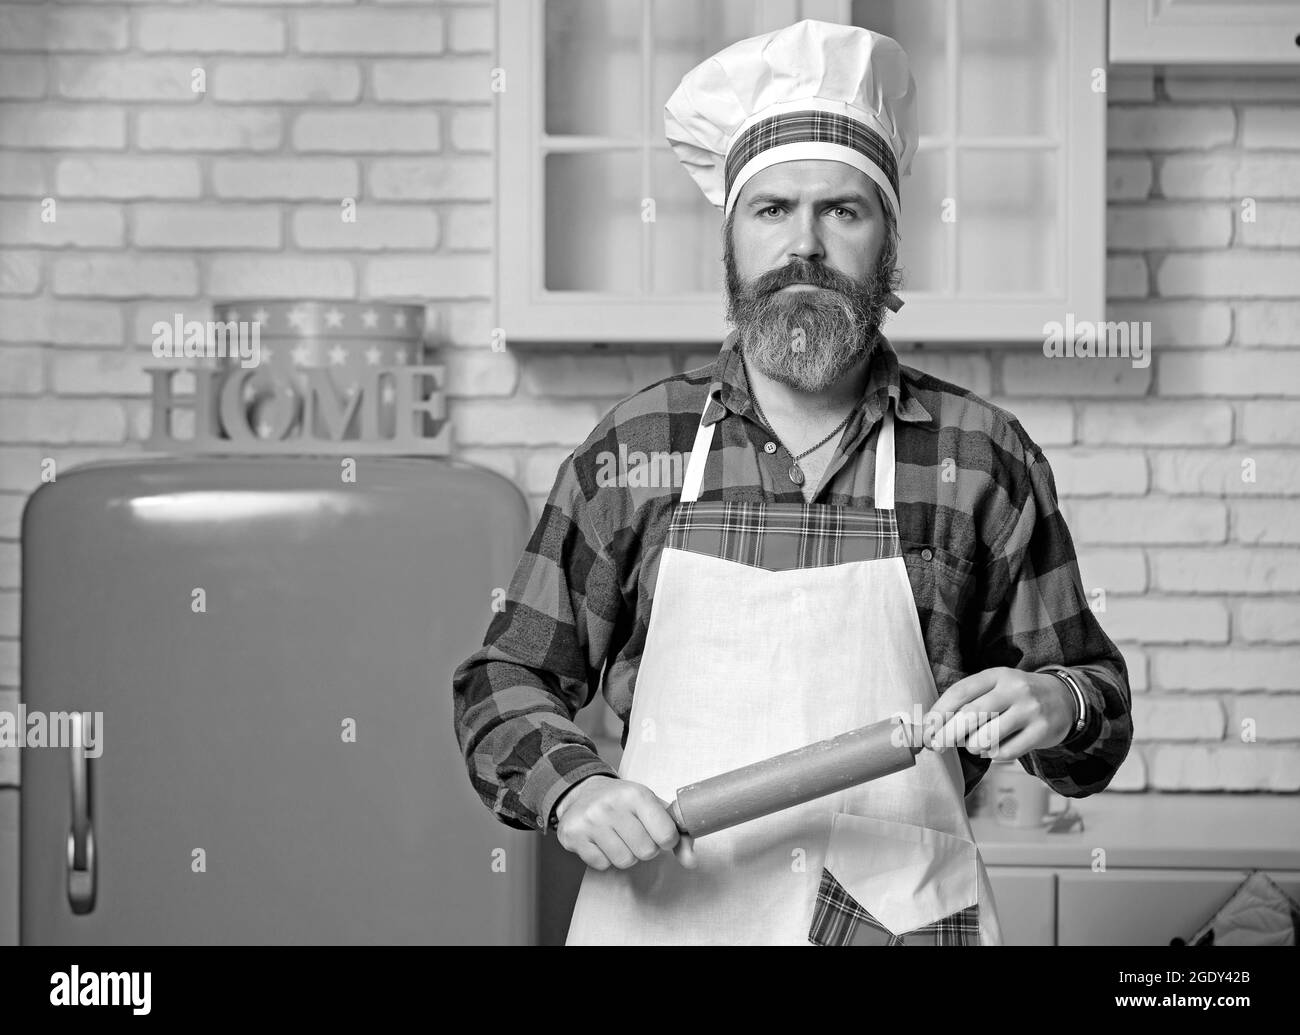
point(1019, 799)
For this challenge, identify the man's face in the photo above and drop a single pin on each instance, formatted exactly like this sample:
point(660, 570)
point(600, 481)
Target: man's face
point(809, 266)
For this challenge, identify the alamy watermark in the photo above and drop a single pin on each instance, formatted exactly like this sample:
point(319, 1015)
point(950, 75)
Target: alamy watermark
point(928, 725)
point(1084, 339)
point(75, 987)
point(33, 729)
point(635, 469)
point(211, 339)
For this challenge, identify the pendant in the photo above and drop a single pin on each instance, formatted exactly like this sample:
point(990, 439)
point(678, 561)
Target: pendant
point(796, 475)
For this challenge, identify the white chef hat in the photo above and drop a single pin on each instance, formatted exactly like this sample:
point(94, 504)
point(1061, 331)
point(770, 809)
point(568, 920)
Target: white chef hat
point(810, 90)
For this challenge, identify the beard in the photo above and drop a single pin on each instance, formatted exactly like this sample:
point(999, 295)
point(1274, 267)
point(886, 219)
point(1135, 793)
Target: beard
point(808, 340)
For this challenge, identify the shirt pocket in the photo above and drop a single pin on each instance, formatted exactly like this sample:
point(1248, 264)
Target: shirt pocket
point(942, 582)
point(887, 883)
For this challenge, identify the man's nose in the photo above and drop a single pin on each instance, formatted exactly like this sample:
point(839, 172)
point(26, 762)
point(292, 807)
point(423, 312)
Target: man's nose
point(805, 242)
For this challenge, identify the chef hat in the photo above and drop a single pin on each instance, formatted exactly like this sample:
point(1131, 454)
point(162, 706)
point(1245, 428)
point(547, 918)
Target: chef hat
point(810, 90)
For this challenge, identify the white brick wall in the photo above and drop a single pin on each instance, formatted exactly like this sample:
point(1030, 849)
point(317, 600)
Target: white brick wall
point(168, 198)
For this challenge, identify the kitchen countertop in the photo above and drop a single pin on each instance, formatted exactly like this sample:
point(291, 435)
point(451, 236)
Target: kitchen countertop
point(1186, 831)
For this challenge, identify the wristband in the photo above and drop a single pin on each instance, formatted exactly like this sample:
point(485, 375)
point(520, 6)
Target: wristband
point(1081, 709)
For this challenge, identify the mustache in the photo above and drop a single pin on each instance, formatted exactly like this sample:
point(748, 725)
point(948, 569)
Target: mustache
point(800, 271)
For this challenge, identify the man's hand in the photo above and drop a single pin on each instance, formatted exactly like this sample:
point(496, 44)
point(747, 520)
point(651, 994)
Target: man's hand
point(1001, 713)
point(611, 822)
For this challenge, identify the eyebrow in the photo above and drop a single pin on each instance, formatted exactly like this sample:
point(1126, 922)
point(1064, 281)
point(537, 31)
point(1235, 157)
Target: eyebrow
point(852, 198)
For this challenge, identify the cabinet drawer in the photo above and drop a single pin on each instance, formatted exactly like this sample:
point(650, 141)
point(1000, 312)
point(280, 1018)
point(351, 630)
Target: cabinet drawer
point(1144, 907)
point(1026, 904)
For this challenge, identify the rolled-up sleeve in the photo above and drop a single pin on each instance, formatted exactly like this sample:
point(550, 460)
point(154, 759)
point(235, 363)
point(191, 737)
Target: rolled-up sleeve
point(1036, 617)
point(515, 698)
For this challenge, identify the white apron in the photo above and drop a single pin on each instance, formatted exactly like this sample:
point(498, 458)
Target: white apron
point(743, 662)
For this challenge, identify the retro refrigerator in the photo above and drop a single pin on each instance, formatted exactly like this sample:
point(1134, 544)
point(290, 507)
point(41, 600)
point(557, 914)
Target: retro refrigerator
point(271, 650)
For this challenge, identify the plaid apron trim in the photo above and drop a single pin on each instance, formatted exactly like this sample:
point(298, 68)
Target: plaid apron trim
point(839, 919)
point(784, 536)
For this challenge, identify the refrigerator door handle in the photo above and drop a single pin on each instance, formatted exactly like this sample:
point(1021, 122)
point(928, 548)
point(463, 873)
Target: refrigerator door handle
point(81, 838)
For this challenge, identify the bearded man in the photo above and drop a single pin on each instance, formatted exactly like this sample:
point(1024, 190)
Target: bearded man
point(852, 539)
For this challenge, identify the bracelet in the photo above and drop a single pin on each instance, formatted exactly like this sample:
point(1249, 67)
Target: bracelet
point(1081, 716)
point(558, 808)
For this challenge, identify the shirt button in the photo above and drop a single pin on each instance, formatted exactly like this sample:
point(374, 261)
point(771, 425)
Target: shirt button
point(927, 555)
point(770, 448)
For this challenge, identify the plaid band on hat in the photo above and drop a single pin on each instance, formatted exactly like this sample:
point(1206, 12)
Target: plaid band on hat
point(822, 127)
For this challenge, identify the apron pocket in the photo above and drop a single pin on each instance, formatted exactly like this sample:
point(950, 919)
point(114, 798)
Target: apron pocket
point(887, 883)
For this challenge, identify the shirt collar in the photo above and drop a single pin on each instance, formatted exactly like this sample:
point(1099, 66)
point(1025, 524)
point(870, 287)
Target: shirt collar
point(729, 389)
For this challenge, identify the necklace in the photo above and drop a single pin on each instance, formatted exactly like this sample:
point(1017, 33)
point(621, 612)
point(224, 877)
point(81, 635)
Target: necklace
point(796, 472)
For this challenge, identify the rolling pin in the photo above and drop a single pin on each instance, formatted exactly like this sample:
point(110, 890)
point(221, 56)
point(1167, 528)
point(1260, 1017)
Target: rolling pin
point(795, 777)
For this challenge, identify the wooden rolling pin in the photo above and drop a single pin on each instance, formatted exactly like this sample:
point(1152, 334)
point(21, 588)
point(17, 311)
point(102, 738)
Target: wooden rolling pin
point(794, 777)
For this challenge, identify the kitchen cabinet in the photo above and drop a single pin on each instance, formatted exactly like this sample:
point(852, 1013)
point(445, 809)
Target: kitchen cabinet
point(1115, 907)
point(1145, 907)
point(1171, 862)
point(1205, 32)
point(1026, 901)
point(602, 237)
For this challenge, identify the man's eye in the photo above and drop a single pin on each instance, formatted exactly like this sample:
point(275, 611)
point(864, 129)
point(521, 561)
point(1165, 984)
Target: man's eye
point(770, 210)
point(841, 211)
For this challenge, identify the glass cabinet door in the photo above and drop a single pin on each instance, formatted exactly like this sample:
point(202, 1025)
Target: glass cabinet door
point(622, 216)
point(982, 208)
point(603, 237)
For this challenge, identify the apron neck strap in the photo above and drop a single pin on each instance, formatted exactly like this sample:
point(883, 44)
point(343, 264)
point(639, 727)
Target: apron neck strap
point(884, 490)
point(699, 454)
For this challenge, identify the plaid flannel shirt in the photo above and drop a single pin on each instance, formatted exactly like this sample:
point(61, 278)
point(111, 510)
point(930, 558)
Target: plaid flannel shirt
point(989, 558)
